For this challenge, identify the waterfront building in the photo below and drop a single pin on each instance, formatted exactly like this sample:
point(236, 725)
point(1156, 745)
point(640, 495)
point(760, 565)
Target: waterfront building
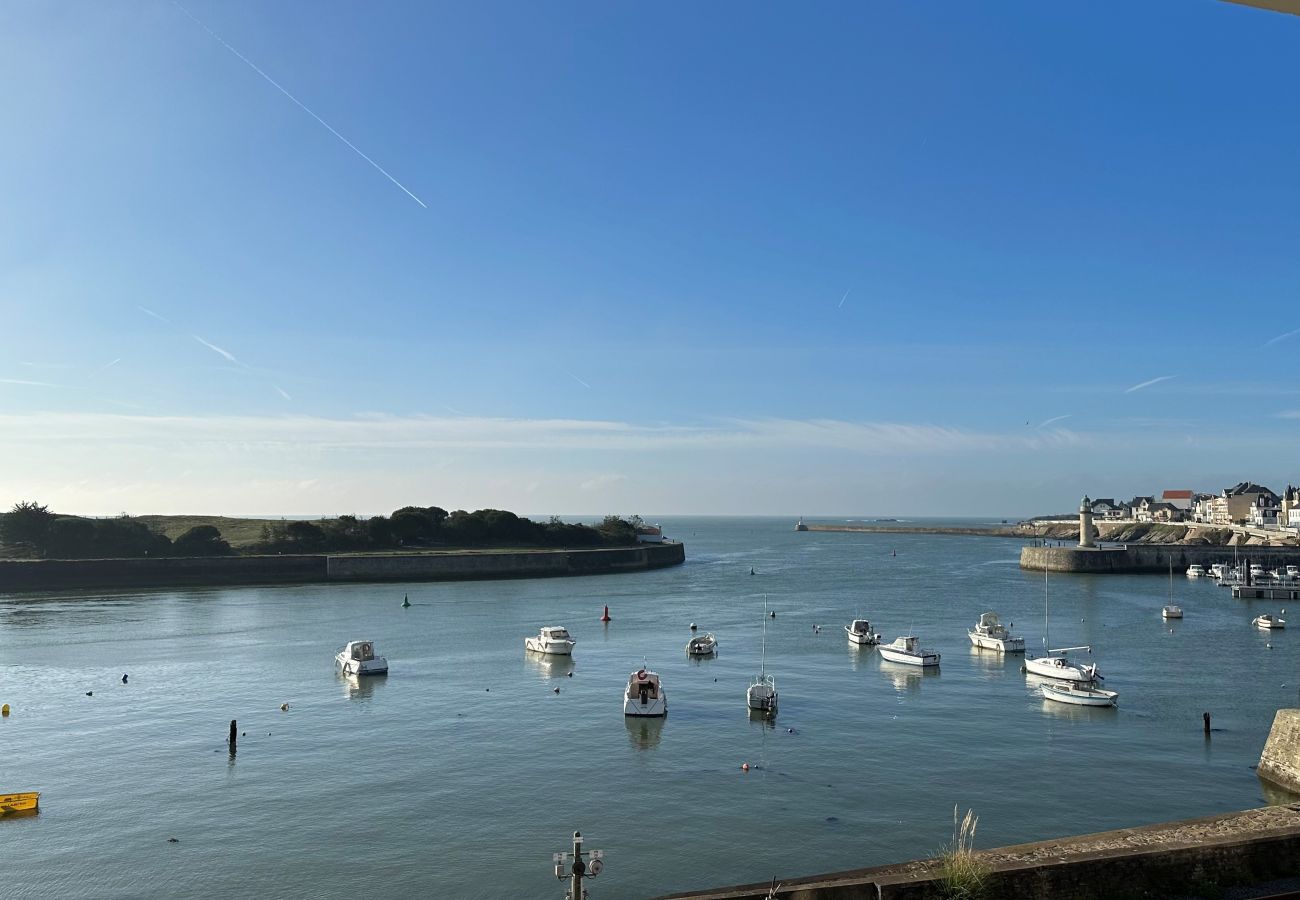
point(1106, 508)
point(1179, 499)
point(1232, 507)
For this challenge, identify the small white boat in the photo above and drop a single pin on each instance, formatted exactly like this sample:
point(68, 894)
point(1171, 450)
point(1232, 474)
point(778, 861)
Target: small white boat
point(1219, 570)
point(702, 645)
point(1080, 695)
point(761, 696)
point(1268, 622)
point(1057, 665)
point(1195, 571)
point(1171, 612)
point(1257, 571)
point(645, 696)
point(1293, 571)
point(905, 650)
point(553, 639)
point(860, 633)
point(991, 634)
point(358, 658)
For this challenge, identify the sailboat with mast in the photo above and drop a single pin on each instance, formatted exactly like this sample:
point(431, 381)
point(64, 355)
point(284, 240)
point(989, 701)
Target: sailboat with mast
point(1171, 611)
point(1055, 663)
point(761, 696)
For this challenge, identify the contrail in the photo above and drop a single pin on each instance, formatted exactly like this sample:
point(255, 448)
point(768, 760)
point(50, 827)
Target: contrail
point(845, 297)
point(1055, 419)
point(1281, 337)
point(215, 349)
point(299, 104)
point(579, 380)
point(110, 365)
point(28, 383)
point(283, 392)
point(150, 312)
point(1147, 384)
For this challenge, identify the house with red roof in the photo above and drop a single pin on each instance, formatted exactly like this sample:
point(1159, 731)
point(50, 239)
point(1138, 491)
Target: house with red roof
point(1179, 499)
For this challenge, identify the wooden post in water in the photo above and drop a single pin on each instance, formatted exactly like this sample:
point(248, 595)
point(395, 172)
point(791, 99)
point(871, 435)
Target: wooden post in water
point(1206, 717)
point(234, 736)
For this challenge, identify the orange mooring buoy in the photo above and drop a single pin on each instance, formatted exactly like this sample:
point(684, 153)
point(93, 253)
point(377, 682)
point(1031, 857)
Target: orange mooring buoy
point(744, 767)
point(605, 617)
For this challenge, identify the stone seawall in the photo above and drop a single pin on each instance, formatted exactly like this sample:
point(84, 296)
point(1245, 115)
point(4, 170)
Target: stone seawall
point(1280, 761)
point(1197, 856)
point(1150, 557)
point(111, 574)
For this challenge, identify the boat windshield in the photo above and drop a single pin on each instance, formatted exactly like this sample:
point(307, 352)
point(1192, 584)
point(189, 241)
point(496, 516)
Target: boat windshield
point(556, 634)
point(363, 651)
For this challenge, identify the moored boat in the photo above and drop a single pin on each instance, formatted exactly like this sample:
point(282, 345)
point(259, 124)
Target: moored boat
point(860, 633)
point(990, 634)
point(645, 695)
point(23, 801)
point(1171, 612)
point(702, 645)
point(358, 658)
point(1079, 695)
point(761, 695)
point(1195, 571)
point(906, 650)
point(1056, 664)
point(553, 639)
point(1268, 622)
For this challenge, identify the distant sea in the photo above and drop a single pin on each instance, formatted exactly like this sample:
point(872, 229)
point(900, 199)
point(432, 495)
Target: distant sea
point(463, 771)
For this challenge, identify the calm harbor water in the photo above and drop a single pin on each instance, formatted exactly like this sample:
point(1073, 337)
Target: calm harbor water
point(460, 773)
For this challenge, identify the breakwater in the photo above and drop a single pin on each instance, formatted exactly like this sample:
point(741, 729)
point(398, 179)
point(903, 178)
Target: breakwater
point(1150, 557)
point(1196, 856)
point(107, 574)
point(1280, 761)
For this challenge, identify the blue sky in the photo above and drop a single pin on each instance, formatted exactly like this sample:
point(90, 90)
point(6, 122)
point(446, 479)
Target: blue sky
point(840, 258)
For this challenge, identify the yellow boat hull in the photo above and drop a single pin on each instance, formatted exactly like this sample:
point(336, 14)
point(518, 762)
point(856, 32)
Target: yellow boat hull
point(11, 803)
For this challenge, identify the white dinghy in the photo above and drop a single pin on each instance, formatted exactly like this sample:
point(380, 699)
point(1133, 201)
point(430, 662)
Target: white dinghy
point(1080, 695)
point(702, 645)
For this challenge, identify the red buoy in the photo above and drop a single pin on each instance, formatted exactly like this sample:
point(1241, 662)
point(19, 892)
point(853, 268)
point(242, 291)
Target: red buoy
point(605, 617)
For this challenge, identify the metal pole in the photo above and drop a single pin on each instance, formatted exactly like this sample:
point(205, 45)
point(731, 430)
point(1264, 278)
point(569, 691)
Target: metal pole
point(579, 868)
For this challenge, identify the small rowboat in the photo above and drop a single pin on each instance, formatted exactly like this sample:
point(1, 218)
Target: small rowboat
point(12, 803)
point(1079, 695)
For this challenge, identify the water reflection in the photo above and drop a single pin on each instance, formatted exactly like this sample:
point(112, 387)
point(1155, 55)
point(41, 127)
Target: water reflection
point(993, 661)
point(1276, 795)
point(861, 655)
point(548, 665)
point(701, 660)
point(905, 678)
point(644, 732)
point(360, 688)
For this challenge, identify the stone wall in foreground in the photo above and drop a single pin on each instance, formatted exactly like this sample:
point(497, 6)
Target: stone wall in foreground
point(1280, 761)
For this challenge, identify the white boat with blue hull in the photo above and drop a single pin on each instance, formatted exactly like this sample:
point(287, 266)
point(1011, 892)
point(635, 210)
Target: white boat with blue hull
point(990, 634)
point(907, 650)
point(358, 658)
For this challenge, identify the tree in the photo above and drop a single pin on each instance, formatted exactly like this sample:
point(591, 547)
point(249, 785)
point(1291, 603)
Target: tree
point(201, 540)
point(27, 523)
point(305, 535)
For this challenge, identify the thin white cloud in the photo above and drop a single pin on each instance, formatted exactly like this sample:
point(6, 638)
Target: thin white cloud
point(600, 482)
point(150, 312)
point(1055, 419)
point(1147, 384)
point(353, 147)
point(26, 383)
point(579, 380)
point(1281, 337)
point(215, 349)
point(110, 365)
point(842, 299)
point(282, 392)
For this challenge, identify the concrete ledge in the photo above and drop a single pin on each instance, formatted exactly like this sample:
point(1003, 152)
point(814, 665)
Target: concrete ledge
point(1191, 856)
point(1280, 761)
point(1149, 557)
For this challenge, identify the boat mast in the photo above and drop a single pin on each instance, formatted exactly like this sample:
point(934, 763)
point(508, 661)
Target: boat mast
point(1047, 622)
point(763, 657)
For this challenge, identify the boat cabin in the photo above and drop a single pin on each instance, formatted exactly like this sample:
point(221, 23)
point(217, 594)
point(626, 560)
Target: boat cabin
point(990, 624)
point(906, 643)
point(360, 651)
point(860, 626)
point(555, 634)
point(643, 686)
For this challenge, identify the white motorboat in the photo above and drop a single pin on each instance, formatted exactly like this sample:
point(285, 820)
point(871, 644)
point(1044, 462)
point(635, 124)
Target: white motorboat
point(1293, 572)
point(645, 696)
point(860, 633)
point(358, 658)
point(702, 645)
point(1171, 612)
point(761, 696)
point(1257, 571)
point(1268, 622)
point(906, 650)
point(1195, 571)
point(1219, 570)
point(553, 639)
point(1080, 695)
point(991, 634)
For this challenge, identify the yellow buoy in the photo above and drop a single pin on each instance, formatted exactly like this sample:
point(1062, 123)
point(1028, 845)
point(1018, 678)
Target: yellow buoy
point(4, 710)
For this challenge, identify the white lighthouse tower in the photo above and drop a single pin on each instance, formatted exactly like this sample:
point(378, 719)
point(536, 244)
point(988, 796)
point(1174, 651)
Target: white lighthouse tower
point(1085, 523)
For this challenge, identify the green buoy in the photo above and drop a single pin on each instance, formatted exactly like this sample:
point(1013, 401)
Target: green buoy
point(406, 601)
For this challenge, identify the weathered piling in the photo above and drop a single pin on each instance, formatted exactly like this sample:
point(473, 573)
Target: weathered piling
point(234, 736)
point(1206, 717)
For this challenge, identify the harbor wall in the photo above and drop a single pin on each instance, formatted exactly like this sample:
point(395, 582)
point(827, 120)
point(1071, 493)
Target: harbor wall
point(1196, 856)
point(1150, 557)
point(110, 574)
point(1280, 761)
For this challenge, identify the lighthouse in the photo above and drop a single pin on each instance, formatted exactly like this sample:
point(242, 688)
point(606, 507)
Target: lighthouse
point(1085, 523)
